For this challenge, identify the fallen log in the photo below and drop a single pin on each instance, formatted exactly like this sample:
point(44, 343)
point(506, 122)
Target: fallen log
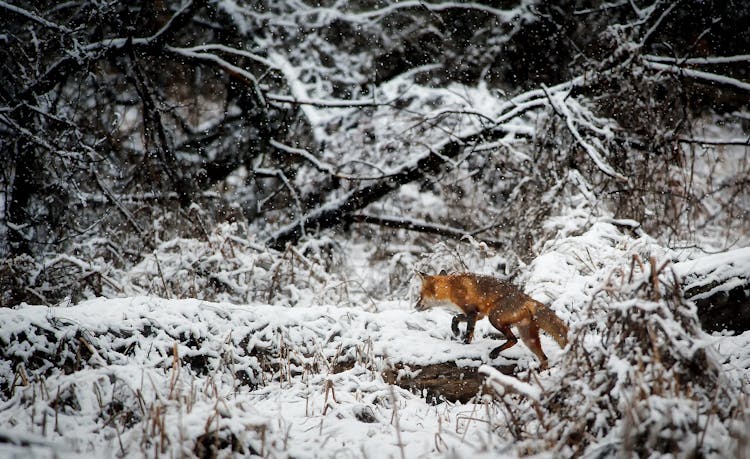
point(719, 284)
point(441, 381)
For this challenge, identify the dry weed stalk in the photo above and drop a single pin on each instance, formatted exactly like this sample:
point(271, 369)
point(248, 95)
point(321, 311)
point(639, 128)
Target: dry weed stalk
point(175, 372)
point(395, 421)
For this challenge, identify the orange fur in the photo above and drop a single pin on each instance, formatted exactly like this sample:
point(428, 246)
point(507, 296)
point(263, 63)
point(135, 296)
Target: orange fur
point(475, 296)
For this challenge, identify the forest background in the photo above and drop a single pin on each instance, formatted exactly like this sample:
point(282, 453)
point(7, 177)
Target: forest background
point(287, 156)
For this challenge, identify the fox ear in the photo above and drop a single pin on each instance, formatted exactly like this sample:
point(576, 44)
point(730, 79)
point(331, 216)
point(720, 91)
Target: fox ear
point(443, 273)
point(421, 274)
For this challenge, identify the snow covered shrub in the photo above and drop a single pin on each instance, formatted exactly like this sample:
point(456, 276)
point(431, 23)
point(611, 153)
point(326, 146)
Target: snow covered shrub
point(639, 377)
point(54, 279)
point(145, 376)
point(225, 264)
point(13, 279)
point(471, 257)
point(228, 265)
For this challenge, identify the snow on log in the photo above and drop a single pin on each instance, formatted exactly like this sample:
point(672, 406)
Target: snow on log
point(719, 284)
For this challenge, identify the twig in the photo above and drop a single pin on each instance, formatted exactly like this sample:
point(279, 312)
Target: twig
point(635, 259)
point(304, 154)
point(125, 212)
point(654, 278)
point(161, 275)
point(278, 173)
point(658, 22)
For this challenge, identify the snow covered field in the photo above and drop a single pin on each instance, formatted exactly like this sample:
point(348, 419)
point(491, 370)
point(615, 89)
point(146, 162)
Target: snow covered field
point(266, 374)
point(147, 376)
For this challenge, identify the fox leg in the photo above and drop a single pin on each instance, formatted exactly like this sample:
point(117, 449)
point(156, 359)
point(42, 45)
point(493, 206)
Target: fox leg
point(511, 339)
point(470, 319)
point(457, 319)
point(530, 335)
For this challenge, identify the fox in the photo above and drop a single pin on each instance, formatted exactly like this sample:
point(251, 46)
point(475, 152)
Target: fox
point(474, 296)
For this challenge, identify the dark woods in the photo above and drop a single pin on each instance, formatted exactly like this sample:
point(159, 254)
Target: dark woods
point(127, 124)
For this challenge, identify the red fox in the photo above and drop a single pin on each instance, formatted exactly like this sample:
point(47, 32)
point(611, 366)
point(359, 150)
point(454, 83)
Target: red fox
point(475, 296)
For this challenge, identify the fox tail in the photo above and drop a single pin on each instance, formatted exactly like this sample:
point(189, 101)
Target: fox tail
point(548, 321)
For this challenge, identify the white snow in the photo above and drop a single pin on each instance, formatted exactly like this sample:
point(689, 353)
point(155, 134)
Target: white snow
point(305, 380)
point(731, 269)
point(295, 411)
point(502, 383)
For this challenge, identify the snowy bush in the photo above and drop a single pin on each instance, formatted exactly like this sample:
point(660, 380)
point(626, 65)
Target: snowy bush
point(639, 378)
point(226, 266)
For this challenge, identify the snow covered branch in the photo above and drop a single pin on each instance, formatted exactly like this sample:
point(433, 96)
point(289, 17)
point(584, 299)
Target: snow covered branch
point(324, 103)
point(304, 154)
point(561, 107)
point(335, 213)
point(231, 69)
point(708, 60)
point(34, 17)
point(421, 227)
point(301, 11)
point(503, 15)
point(739, 142)
point(700, 75)
point(75, 60)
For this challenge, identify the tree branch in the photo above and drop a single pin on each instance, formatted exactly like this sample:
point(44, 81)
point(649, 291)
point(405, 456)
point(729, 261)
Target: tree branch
point(325, 103)
point(720, 80)
point(75, 61)
point(304, 154)
point(420, 226)
point(36, 18)
point(738, 142)
point(338, 211)
point(232, 70)
point(335, 213)
point(562, 110)
point(155, 135)
point(708, 60)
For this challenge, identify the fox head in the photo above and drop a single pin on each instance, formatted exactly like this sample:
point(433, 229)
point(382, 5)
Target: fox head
point(434, 292)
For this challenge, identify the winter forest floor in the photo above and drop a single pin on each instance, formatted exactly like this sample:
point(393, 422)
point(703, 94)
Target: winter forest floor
point(147, 376)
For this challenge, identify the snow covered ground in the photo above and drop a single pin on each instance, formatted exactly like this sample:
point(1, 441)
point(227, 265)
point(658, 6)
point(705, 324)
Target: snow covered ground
point(147, 376)
point(306, 409)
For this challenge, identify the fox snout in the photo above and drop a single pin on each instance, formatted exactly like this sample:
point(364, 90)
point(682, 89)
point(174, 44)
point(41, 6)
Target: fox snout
point(421, 305)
